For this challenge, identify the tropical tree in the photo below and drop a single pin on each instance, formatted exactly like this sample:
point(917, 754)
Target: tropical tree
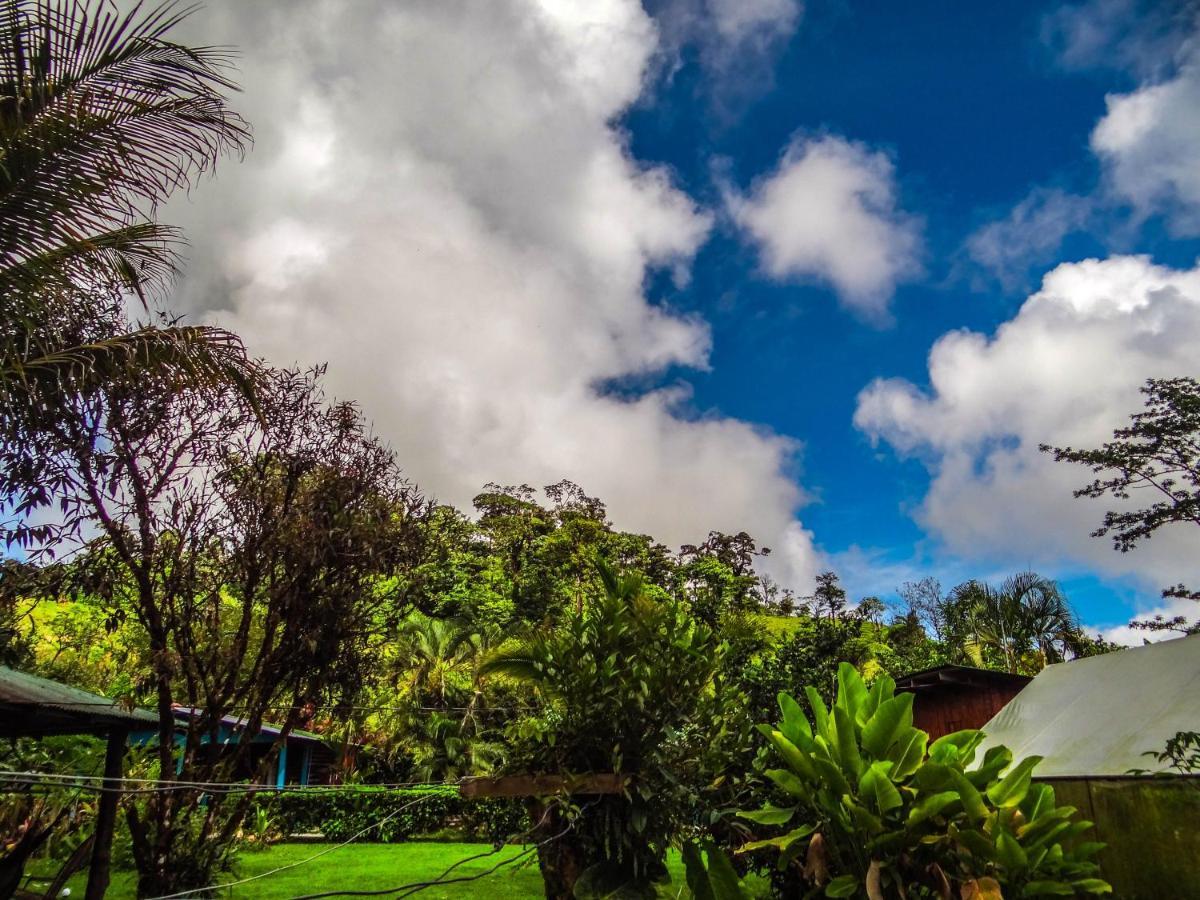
point(628, 685)
point(1157, 453)
point(1023, 624)
point(101, 117)
point(441, 724)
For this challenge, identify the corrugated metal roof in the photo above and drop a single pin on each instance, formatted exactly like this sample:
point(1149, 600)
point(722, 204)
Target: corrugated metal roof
point(236, 722)
point(1098, 716)
point(30, 705)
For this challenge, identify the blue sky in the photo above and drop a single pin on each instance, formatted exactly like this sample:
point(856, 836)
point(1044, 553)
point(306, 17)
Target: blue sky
point(976, 109)
point(827, 272)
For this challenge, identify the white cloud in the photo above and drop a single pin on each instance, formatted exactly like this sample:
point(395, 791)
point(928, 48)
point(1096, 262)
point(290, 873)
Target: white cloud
point(1139, 36)
point(828, 212)
point(1064, 371)
point(1135, 637)
point(1031, 234)
point(1149, 144)
point(756, 23)
point(438, 204)
point(737, 40)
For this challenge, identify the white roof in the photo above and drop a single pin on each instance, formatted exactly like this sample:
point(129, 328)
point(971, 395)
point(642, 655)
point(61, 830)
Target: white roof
point(1097, 716)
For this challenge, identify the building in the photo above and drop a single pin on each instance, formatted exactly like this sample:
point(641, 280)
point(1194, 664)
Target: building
point(36, 707)
point(303, 759)
point(1097, 723)
point(950, 698)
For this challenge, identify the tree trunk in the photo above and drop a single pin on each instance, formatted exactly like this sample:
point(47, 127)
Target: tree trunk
point(560, 860)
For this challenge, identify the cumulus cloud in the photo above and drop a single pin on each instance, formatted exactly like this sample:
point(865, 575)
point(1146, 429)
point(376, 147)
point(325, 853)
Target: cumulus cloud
point(828, 212)
point(1030, 235)
point(1147, 140)
point(439, 206)
point(1064, 371)
point(1149, 145)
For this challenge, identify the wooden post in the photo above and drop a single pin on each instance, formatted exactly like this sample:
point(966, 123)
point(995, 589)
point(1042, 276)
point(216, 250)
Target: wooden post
point(106, 816)
point(543, 785)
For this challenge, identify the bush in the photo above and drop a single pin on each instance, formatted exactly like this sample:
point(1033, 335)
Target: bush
point(873, 813)
point(397, 813)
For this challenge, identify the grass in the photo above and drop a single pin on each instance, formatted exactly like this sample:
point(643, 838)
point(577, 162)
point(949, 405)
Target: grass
point(375, 867)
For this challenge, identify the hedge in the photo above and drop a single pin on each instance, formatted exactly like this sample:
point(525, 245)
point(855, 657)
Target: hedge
point(343, 813)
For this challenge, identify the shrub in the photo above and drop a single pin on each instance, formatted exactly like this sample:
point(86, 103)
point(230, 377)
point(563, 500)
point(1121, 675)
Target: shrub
point(342, 814)
point(876, 813)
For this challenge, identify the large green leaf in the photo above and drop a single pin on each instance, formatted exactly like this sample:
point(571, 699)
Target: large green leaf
point(769, 815)
point(1092, 886)
point(972, 800)
point(1011, 790)
point(783, 842)
point(958, 747)
point(796, 759)
point(789, 782)
point(876, 784)
point(930, 805)
point(889, 722)
point(852, 691)
point(820, 713)
point(995, 761)
point(1009, 852)
point(842, 886)
point(717, 880)
point(908, 753)
point(795, 725)
point(831, 775)
point(847, 742)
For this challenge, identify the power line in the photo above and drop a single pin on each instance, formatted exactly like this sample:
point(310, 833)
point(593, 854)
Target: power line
point(416, 886)
point(327, 850)
point(87, 782)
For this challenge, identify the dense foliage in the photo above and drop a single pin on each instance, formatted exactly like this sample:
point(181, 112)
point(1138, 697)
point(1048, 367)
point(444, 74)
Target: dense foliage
point(628, 684)
point(389, 815)
point(874, 810)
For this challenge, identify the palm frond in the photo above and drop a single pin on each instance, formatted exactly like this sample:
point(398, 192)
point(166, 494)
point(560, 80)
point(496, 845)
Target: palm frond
point(518, 663)
point(101, 117)
point(190, 356)
point(138, 258)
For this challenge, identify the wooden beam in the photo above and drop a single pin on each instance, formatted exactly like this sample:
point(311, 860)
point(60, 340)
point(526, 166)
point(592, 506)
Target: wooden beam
point(543, 785)
point(106, 816)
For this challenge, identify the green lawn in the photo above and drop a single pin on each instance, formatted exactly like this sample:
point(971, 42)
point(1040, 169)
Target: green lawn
point(378, 866)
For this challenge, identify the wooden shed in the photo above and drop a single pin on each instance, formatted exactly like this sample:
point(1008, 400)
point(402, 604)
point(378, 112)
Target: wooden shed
point(950, 698)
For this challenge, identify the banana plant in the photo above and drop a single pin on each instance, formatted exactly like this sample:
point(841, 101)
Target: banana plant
point(874, 810)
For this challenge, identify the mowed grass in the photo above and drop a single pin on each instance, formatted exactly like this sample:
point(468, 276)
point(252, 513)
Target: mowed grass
point(365, 867)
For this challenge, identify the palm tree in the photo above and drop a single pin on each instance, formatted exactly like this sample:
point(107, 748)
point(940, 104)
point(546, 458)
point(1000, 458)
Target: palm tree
point(1026, 620)
point(439, 657)
point(101, 117)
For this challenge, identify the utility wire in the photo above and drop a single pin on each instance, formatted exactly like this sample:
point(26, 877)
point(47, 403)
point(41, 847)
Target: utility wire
point(327, 850)
point(87, 782)
point(416, 886)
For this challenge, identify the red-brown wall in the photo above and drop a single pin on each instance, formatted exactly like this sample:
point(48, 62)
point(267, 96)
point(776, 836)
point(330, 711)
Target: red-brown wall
point(944, 709)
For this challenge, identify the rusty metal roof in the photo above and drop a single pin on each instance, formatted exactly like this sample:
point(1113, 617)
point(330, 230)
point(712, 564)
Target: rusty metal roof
point(32, 707)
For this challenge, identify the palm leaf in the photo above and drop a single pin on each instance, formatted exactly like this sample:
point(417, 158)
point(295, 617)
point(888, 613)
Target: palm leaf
point(101, 118)
point(190, 356)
